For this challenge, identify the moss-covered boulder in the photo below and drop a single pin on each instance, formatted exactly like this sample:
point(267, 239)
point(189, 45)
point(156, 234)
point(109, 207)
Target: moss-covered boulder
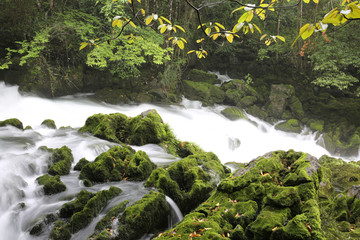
point(61, 161)
point(12, 122)
point(207, 93)
point(49, 123)
point(148, 127)
point(68, 209)
point(272, 197)
point(111, 127)
point(118, 163)
point(239, 93)
point(106, 222)
point(233, 113)
point(51, 185)
point(147, 215)
point(81, 212)
point(80, 164)
point(279, 95)
point(197, 75)
point(341, 139)
point(112, 96)
point(291, 125)
point(189, 181)
point(316, 125)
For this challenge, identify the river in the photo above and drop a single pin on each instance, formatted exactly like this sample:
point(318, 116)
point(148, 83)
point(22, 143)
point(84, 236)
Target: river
point(21, 201)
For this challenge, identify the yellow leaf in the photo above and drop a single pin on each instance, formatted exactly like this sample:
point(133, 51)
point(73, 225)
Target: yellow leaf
point(161, 21)
point(306, 1)
point(229, 37)
point(268, 42)
point(199, 40)
point(237, 10)
point(142, 12)
point(244, 17)
point(184, 40)
point(180, 44)
point(343, 2)
point(129, 1)
point(217, 29)
point(316, 1)
point(149, 19)
point(250, 17)
point(83, 45)
point(246, 29)
point(257, 28)
point(263, 36)
point(115, 22)
point(307, 32)
point(191, 51)
point(281, 38)
point(181, 28)
point(139, 1)
point(220, 26)
point(216, 35)
point(251, 28)
point(208, 31)
point(163, 28)
point(166, 20)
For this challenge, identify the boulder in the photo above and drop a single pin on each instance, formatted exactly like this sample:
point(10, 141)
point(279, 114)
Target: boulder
point(12, 122)
point(197, 75)
point(233, 113)
point(51, 185)
point(206, 93)
point(49, 123)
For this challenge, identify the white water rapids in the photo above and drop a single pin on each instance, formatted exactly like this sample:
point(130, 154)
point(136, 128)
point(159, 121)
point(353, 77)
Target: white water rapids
point(21, 202)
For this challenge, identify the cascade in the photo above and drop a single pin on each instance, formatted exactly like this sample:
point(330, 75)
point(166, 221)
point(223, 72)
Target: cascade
point(176, 215)
point(21, 161)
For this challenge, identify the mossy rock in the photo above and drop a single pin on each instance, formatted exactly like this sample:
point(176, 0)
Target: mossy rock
point(197, 75)
point(291, 125)
point(233, 113)
point(111, 127)
point(80, 164)
point(278, 99)
point(296, 107)
point(52, 185)
point(206, 93)
point(248, 101)
point(255, 203)
point(68, 209)
point(49, 123)
point(239, 93)
point(106, 222)
point(189, 181)
point(92, 208)
point(118, 163)
point(257, 112)
point(147, 215)
point(61, 161)
point(112, 96)
point(148, 127)
point(316, 125)
point(12, 122)
point(61, 231)
point(340, 140)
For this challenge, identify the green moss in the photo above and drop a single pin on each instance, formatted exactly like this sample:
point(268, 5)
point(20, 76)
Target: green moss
point(233, 113)
point(12, 122)
point(118, 163)
point(291, 125)
point(268, 219)
point(61, 159)
point(111, 127)
point(296, 107)
point(49, 123)
point(61, 231)
point(106, 222)
point(80, 164)
point(52, 185)
point(296, 228)
point(197, 75)
point(206, 93)
point(92, 208)
point(146, 215)
point(68, 209)
point(316, 125)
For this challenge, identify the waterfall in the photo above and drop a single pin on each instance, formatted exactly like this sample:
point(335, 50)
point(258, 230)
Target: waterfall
point(21, 161)
point(176, 215)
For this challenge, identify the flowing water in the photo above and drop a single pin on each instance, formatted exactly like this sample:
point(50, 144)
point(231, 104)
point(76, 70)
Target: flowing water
point(22, 203)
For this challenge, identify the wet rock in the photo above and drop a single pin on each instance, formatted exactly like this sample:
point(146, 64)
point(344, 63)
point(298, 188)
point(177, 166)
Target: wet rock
point(51, 185)
point(233, 113)
point(49, 123)
point(12, 122)
point(118, 163)
point(144, 216)
point(202, 76)
point(279, 95)
point(61, 161)
point(206, 93)
point(80, 164)
point(291, 125)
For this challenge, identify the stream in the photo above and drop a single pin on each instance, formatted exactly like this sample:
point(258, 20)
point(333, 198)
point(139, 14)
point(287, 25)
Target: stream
point(22, 202)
